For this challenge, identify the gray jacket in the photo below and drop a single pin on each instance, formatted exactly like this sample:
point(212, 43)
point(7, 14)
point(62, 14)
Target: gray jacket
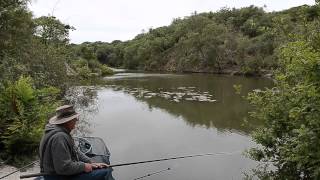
point(60, 156)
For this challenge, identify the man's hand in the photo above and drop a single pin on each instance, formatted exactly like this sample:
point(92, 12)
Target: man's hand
point(99, 165)
point(88, 167)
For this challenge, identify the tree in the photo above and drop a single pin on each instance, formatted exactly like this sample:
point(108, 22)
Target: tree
point(16, 26)
point(243, 41)
point(51, 30)
point(30, 66)
point(290, 138)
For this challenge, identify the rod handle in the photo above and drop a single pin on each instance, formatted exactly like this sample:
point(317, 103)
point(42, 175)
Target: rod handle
point(33, 175)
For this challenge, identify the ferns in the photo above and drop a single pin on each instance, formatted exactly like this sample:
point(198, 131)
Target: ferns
point(23, 114)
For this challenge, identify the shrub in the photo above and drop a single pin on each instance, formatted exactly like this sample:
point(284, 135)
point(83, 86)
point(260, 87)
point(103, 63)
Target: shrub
point(105, 70)
point(24, 111)
point(290, 138)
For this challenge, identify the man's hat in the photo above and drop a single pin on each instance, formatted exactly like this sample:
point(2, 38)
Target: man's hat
point(64, 114)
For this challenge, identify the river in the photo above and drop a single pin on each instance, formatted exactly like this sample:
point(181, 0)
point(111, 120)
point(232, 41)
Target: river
point(149, 116)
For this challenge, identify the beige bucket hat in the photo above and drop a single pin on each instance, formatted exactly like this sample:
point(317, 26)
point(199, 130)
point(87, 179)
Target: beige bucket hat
point(64, 114)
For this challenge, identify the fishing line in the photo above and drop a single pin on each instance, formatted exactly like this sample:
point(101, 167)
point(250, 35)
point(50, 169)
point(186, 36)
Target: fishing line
point(154, 173)
point(172, 158)
point(142, 162)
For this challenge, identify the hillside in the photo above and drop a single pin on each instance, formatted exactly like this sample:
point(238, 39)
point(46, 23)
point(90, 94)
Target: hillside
point(235, 41)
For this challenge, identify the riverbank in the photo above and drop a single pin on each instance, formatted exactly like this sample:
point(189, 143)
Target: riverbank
point(236, 72)
point(6, 169)
point(231, 71)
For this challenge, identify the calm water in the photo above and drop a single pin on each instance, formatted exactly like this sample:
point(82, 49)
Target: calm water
point(151, 116)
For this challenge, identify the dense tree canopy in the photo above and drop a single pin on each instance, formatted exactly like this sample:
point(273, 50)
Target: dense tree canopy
point(228, 41)
point(36, 64)
point(290, 137)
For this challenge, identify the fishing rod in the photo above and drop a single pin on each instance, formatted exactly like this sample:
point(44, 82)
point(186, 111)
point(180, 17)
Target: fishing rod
point(19, 169)
point(139, 162)
point(164, 159)
point(154, 173)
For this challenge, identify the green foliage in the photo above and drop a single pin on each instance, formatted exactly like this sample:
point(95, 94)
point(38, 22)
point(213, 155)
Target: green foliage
point(16, 26)
point(24, 111)
point(87, 69)
point(300, 67)
point(34, 54)
point(32, 47)
point(84, 72)
point(51, 30)
point(243, 41)
point(105, 70)
point(47, 64)
point(86, 64)
point(86, 52)
point(290, 138)
point(237, 88)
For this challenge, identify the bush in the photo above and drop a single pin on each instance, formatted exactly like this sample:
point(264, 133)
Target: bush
point(84, 71)
point(290, 138)
point(23, 114)
point(105, 70)
point(91, 68)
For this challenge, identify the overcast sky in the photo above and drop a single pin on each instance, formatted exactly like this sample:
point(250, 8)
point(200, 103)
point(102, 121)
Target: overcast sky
point(108, 20)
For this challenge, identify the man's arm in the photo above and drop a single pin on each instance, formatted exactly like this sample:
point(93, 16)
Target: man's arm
point(61, 156)
point(86, 159)
point(82, 156)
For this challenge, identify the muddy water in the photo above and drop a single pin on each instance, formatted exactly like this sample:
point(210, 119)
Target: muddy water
point(149, 116)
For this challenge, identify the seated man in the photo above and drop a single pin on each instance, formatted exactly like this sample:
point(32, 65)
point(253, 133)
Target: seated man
point(58, 155)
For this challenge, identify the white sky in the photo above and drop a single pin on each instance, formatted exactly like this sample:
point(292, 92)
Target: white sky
point(108, 20)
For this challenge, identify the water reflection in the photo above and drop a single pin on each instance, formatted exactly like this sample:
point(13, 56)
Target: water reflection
point(84, 99)
point(175, 95)
point(143, 117)
point(205, 100)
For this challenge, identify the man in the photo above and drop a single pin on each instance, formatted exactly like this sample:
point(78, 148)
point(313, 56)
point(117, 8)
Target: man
point(58, 155)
